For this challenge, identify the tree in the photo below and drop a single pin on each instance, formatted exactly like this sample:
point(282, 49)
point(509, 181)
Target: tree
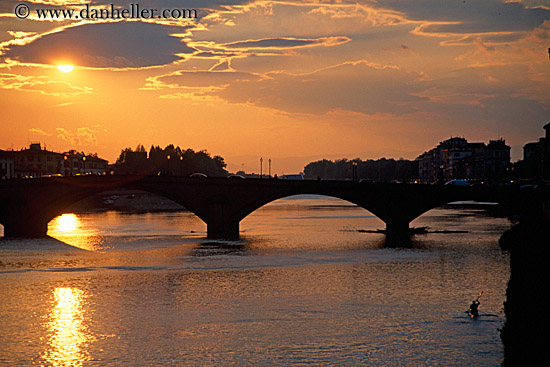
point(172, 160)
point(382, 170)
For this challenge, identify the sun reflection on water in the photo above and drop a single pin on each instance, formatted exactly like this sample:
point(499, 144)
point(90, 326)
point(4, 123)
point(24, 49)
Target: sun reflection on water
point(67, 223)
point(69, 336)
point(69, 229)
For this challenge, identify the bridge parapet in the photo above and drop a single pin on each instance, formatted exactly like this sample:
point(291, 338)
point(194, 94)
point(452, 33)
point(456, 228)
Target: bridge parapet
point(28, 205)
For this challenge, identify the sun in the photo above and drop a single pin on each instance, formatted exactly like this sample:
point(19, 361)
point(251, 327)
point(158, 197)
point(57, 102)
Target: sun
point(65, 68)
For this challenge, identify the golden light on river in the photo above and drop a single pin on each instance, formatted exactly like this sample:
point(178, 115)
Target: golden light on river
point(69, 228)
point(69, 336)
point(66, 223)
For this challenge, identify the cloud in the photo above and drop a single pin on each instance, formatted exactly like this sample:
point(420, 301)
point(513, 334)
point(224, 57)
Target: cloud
point(38, 131)
point(215, 54)
point(466, 17)
point(41, 85)
point(104, 45)
point(82, 136)
point(200, 79)
point(285, 43)
point(352, 86)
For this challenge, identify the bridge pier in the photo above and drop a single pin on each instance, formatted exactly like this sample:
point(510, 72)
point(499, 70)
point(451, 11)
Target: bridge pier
point(25, 229)
point(226, 230)
point(397, 229)
point(221, 220)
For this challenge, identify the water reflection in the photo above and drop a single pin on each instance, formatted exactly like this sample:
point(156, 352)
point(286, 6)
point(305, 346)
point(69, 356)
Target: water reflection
point(69, 336)
point(69, 229)
point(214, 248)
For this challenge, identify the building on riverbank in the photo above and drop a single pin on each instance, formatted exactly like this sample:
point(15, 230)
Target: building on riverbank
point(36, 161)
point(536, 158)
point(7, 165)
point(456, 158)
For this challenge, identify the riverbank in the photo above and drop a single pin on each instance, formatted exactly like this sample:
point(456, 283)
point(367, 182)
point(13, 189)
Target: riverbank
point(525, 333)
point(133, 201)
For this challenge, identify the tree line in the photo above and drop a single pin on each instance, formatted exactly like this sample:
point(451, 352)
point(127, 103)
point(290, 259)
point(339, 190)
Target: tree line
point(171, 161)
point(381, 170)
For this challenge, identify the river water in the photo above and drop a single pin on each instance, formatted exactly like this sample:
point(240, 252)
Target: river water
point(303, 286)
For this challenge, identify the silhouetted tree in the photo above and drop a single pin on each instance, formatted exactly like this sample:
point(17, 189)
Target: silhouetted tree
point(171, 160)
point(382, 170)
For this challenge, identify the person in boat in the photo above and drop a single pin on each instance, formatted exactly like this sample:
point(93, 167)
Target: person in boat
point(473, 308)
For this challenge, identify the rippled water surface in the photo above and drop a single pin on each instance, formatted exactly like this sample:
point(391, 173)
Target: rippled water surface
point(305, 285)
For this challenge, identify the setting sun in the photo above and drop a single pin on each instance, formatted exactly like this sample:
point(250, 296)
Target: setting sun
point(65, 68)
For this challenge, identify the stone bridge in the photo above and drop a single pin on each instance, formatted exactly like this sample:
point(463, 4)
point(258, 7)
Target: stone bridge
point(26, 206)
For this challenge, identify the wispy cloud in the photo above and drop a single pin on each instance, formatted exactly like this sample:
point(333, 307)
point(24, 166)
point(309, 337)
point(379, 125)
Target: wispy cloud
point(82, 136)
point(284, 43)
point(41, 85)
point(38, 131)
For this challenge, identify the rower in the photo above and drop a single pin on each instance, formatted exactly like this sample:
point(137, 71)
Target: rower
point(473, 308)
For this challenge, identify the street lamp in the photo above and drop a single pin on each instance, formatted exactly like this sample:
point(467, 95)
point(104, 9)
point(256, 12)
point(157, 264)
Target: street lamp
point(261, 164)
point(269, 168)
point(168, 168)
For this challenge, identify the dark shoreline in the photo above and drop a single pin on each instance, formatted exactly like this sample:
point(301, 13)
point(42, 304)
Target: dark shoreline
point(525, 332)
point(127, 201)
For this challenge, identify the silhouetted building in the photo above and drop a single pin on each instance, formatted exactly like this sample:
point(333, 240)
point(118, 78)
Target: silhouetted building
point(7, 164)
point(536, 157)
point(38, 162)
point(75, 163)
point(455, 158)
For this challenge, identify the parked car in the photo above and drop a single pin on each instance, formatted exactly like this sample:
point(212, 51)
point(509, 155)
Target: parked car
point(457, 183)
point(198, 174)
point(529, 186)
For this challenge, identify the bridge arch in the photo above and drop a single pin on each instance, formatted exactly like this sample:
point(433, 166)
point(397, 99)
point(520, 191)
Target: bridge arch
point(28, 205)
point(258, 204)
point(309, 196)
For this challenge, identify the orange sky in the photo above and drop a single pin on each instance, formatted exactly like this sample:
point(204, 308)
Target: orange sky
point(293, 81)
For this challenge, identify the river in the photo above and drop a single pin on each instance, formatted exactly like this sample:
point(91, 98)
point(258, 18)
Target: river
point(307, 284)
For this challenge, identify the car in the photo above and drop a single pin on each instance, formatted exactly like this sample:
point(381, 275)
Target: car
point(236, 176)
point(294, 177)
point(198, 174)
point(457, 183)
point(528, 186)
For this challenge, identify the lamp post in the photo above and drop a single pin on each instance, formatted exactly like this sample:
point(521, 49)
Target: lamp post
point(181, 165)
point(168, 164)
point(84, 164)
point(354, 170)
point(261, 164)
point(269, 168)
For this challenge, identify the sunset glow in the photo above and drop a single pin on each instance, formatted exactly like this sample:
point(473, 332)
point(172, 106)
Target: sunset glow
point(65, 68)
point(291, 81)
